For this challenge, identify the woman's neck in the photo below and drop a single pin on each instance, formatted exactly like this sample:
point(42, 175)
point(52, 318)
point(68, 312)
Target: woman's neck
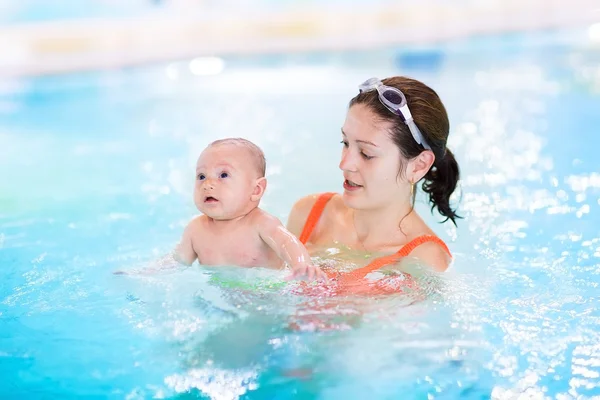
point(379, 228)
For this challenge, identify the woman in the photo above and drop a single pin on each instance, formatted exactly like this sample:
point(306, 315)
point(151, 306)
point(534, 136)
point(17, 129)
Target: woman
point(394, 136)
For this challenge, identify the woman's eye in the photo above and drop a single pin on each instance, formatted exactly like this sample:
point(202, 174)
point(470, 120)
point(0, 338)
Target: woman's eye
point(201, 177)
point(366, 157)
point(224, 175)
point(344, 143)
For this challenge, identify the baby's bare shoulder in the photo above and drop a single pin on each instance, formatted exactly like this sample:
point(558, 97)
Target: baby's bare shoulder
point(196, 224)
point(262, 219)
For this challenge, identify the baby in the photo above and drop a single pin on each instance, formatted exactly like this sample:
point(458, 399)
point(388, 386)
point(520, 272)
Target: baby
point(230, 181)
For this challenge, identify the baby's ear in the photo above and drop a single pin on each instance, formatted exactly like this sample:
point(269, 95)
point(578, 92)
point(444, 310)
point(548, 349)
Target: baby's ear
point(259, 189)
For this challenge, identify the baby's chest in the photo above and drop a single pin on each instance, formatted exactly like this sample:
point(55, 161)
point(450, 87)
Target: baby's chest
point(231, 249)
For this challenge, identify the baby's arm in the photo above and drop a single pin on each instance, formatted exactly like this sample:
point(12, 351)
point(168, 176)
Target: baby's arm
point(288, 247)
point(184, 252)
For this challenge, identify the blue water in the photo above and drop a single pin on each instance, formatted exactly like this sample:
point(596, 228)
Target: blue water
point(97, 174)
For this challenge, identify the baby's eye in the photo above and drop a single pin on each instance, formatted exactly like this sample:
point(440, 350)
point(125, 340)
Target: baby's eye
point(201, 177)
point(224, 175)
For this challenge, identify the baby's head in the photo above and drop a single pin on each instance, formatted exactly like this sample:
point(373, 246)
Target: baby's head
point(230, 178)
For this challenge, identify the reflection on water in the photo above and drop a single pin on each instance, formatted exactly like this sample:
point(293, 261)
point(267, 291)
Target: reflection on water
point(515, 193)
point(234, 331)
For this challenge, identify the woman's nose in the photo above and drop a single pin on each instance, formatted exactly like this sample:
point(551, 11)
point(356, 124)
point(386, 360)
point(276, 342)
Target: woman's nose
point(347, 162)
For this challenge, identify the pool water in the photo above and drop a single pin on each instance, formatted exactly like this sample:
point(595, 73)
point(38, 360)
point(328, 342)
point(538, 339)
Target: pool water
point(98, 174)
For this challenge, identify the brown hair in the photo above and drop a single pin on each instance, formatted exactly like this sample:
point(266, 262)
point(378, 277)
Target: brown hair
point(257, 154)
point(430, 116)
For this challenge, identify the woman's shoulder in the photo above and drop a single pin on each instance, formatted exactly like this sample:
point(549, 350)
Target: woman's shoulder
point(433, 254)
point(302, 208)
point(424, 243)
point(432, 250)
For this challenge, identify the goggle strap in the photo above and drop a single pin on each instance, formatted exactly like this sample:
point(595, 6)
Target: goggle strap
point(402, 110)
point(416, 133)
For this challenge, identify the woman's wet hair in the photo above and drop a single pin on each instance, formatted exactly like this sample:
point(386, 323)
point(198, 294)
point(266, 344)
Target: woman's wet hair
point(431, 117)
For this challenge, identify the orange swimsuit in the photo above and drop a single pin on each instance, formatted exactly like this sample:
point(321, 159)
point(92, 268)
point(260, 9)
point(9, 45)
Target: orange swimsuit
point(354, 281)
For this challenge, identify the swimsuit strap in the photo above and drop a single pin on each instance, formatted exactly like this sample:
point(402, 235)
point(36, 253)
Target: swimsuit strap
point(413, 244)
point(359, 274)
point(381, 262)
point(314, 215)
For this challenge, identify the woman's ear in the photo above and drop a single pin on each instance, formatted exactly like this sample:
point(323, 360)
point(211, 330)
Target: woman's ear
point(420, 165)
point(259, 189)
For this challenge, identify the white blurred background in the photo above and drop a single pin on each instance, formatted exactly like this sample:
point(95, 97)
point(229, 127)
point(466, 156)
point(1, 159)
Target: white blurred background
point(49, 36)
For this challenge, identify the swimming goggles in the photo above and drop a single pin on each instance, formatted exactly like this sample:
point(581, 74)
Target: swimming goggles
point(395, 101)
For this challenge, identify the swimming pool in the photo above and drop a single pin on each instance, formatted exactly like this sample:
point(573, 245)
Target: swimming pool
point(97, 176)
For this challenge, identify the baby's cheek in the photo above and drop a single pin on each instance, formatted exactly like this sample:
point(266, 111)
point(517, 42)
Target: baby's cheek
point(197, 196)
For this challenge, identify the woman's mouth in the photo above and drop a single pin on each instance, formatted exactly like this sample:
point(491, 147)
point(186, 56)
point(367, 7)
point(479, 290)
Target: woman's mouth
point(351, 186)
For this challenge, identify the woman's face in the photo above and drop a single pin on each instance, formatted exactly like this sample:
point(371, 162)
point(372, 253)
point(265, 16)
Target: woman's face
point(370, 162)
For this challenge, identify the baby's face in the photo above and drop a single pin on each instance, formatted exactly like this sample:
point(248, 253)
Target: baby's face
point(225, 181)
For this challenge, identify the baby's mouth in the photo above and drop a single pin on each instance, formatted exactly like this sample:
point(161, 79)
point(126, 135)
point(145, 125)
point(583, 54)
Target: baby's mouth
point(210, 199)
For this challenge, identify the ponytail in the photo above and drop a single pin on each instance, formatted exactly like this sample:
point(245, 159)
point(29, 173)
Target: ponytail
point(440, 183)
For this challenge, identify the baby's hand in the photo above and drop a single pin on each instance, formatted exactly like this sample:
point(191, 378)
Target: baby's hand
point(309, 270)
